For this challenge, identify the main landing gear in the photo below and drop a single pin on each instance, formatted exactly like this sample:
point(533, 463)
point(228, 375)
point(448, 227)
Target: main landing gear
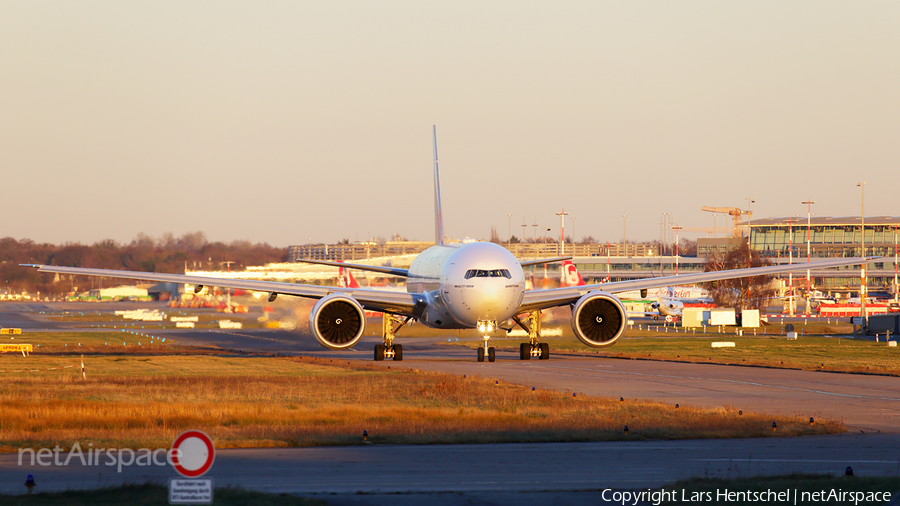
point(533, 348)
point(389, 327)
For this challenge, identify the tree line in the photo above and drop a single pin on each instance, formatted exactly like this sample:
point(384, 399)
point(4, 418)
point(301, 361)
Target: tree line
point(169, 254)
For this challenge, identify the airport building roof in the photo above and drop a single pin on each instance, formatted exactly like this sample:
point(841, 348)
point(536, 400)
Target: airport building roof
point(841, 221)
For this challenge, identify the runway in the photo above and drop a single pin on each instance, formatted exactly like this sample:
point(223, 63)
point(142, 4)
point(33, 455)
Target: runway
point(567, 472)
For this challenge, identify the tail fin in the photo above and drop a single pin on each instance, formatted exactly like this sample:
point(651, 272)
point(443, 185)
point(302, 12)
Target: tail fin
point(346, 279)
point(570, 275)
point(438, 217)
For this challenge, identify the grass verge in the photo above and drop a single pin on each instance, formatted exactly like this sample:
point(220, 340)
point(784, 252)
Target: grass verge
point(805, 488)
point(820, 348)
point(150, 494)
point(145, 401)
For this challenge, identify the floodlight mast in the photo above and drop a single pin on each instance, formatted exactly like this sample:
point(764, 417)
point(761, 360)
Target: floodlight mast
point(809, 204)
point(562, 232)
point(862, 273)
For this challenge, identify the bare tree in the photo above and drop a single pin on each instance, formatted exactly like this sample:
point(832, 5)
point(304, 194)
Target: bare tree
point(495, 237)
point(739, 293)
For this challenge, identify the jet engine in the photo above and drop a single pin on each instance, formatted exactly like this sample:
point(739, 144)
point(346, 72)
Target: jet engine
point(337, 321)
point(598, 319)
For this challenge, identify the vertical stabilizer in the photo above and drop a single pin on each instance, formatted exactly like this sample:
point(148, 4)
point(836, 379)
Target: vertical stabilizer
point(438, 217)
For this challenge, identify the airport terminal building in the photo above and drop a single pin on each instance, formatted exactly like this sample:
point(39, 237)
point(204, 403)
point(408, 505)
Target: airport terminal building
point(785, 239)
point(781, 240)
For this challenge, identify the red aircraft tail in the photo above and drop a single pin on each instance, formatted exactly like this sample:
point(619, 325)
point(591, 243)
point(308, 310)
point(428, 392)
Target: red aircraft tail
point(570, 275)
point(346, 279)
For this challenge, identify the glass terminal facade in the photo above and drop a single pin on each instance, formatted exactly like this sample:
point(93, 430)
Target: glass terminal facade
point(828, 237)
point(780, 238)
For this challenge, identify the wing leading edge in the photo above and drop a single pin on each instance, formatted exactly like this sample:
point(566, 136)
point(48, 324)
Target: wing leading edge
point(543, 299)
point(374, 300)
point(395, 271)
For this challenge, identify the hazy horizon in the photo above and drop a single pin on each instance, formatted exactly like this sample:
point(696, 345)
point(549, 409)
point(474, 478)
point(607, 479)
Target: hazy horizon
point(287, 122)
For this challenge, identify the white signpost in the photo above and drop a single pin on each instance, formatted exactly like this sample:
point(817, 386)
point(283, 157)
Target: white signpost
point(193, 454)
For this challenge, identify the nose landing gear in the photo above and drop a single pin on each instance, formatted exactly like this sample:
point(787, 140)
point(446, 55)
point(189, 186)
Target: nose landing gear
point(533, 348)
point(486, 350)
point(486, 326)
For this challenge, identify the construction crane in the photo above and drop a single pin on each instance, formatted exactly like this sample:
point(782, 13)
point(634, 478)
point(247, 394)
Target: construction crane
point(736, 214)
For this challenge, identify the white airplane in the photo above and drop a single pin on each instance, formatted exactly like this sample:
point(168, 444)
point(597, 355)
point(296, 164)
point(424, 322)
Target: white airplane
point(477, 285)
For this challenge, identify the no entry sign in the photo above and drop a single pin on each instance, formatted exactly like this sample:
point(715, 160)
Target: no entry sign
point(193, 453)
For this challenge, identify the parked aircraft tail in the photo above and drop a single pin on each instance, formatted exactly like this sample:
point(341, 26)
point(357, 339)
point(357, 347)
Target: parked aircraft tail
point(346, 279)
point(569, 275)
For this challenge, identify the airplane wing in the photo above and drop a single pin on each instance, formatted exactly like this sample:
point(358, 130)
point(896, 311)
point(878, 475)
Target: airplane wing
point(374, 268)
point(544, 261)
point(543, 299)
point(374, 300)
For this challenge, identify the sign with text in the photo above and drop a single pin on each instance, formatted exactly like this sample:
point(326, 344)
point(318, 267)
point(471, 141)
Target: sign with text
point(185, 491)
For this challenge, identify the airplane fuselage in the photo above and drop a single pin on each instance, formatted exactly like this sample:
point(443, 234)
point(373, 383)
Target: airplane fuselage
point(467, 283)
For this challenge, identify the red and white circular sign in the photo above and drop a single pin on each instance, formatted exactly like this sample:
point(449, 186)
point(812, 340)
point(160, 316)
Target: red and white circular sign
point(193, 453)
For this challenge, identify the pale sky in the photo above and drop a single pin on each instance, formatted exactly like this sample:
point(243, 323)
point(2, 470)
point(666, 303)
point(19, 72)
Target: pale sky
point(283, 121)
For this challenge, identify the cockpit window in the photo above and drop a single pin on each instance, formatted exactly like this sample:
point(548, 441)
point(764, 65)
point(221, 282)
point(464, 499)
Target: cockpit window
point(493, 273)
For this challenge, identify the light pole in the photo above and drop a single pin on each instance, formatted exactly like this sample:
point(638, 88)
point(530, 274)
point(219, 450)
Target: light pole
point(509, 229)
point(791, 262)
point(749, 214)
point(896, 287)
point(562, 231)
point(662, 222)
point(862, 272)
point(809, 204)
point(623, 232)
point(668, 220)
point(573, 236)
point(676, 228)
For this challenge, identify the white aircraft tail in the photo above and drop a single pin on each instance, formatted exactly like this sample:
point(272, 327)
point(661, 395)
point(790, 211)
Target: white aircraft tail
point(438, 216)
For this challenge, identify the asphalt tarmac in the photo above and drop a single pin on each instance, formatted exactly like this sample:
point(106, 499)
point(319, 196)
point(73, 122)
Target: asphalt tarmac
point(563, 473)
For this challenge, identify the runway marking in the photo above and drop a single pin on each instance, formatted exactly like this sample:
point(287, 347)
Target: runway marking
point(738, 382)
point(250, 336)
point(802, 460)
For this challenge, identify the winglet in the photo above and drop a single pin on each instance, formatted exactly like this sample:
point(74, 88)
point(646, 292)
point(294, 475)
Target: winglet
point(438, 216)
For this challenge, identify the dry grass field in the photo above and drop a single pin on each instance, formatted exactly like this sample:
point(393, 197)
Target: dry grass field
point(145, 400)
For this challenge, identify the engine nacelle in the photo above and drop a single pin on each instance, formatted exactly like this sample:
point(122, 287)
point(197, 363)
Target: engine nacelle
point(337, 321)
point(598, 319)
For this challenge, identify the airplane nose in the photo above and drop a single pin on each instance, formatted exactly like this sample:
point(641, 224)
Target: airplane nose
point(483, 301)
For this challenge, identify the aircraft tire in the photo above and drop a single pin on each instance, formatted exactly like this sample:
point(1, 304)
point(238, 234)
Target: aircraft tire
point(379, 352)
point(491, 354)
point(524, 351)
point(481, 354)
point(545, 351)
point(398, 352)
